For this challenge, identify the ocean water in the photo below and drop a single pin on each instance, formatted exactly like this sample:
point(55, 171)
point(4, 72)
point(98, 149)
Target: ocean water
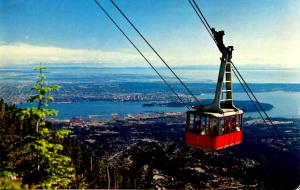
point(286, 103)
point(281, 101)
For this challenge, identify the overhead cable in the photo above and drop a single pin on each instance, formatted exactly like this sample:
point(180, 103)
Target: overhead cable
point(158, 55)
point(259, 104)
point(202, 18)
point(206, 25)
point(126, 36)
point(265, 122)
point(268, 118)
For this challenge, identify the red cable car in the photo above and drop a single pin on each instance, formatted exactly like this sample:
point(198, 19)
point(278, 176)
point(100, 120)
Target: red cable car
point(219, 124)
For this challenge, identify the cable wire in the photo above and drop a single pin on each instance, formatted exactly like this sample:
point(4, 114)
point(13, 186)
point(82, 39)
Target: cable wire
point(235, 70)
point(201, 14)
point(271, 123)
point(259, 104)
point(165, 63)
point(113, 21)
point(255, 106)
point(250, 97)
point(206, 25)
point(202, 20)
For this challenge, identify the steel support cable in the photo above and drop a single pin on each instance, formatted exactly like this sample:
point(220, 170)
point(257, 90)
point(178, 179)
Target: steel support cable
point(250, 97)
point(158, 55)
point(120, 29)
point(269, 119)
point(202, 18)
point(201, 14)
point(238, 76)
point(206, 25)
point(259, 104)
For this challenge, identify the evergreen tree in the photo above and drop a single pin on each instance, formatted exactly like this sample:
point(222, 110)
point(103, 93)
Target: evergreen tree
point(9, 137)
point(44, 164)
point(73, 149)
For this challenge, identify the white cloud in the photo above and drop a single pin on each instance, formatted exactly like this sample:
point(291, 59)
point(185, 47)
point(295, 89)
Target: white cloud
point(21, 53)
point(31, 54)
point(268, 53)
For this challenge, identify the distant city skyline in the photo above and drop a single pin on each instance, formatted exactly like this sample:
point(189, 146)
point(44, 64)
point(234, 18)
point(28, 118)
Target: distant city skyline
point(263, 32)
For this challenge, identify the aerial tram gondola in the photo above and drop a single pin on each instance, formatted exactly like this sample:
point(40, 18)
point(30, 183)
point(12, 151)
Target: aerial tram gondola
point(210, 127)
point(217, 125)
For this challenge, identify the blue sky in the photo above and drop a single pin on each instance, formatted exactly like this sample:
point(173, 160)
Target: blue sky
point(76, 31)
